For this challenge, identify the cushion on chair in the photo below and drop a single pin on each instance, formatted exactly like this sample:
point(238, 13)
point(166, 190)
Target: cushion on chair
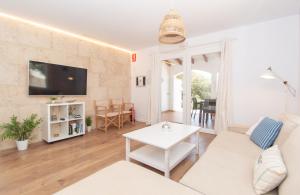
point(110, 114)
point(266, 132)
point(126, 112)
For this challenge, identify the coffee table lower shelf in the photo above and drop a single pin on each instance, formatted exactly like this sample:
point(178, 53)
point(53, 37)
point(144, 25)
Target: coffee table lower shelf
point(155, 157)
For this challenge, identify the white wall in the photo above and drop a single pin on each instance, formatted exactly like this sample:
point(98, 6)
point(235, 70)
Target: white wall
point(255, 47)
point(273, 43)
point(141, 95)
point(176, 88)
point(165, 87)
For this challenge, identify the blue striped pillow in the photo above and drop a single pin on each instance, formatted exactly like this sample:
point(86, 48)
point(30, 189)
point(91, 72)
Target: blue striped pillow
point(266, 132)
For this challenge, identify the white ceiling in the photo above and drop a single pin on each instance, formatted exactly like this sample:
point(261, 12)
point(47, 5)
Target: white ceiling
point(134, 24)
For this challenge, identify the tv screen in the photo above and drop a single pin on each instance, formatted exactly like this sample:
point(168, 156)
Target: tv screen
point(53, 79)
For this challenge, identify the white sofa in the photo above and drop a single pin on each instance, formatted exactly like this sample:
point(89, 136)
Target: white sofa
point(226, 168)
point(124, 178)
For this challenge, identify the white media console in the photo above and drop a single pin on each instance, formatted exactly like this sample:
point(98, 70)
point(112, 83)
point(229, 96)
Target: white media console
point(64, 120)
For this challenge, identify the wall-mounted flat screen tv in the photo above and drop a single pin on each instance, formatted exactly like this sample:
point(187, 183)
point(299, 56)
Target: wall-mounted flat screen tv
point(54, 79)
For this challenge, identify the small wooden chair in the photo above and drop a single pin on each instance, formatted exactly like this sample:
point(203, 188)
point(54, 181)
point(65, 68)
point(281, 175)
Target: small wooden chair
point(127, 113)
point(194, 107)
point(110, 114)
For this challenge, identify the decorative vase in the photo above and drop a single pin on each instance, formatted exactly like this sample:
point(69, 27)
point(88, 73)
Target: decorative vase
point(89, 128)
point(22, 145)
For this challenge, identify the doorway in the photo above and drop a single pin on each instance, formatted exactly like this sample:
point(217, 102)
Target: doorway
point(204, 76)
point(172, 90)
point(173, 86)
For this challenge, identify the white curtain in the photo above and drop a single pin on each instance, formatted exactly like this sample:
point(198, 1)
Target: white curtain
point(154, 104)
point(223, 93)
point(149, 78)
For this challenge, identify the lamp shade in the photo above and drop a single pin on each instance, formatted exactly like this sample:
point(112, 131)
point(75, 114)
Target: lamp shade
point(172, 29)
point(268, 74)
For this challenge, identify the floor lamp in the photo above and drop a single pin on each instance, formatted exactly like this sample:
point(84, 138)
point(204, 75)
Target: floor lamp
point(270, 74)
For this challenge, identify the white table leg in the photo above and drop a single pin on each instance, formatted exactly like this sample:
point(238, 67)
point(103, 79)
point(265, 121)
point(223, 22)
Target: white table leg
point(127, 149)
point(167, 171)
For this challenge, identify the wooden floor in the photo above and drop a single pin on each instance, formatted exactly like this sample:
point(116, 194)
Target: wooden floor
point(176, 117)
point(46, 168)
point(172, 116)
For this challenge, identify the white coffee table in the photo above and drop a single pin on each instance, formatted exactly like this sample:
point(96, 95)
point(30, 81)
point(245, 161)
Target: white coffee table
point(165, 148)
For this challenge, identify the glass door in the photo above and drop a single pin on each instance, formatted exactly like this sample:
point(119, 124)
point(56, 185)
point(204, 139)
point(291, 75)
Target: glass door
point(188, 83)
point(203, 72)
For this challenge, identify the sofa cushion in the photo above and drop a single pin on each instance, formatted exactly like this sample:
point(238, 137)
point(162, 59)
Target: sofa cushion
point(290, 117)
point(127, 179)
point(226, 167)
point(220, 171)
point(251, 129)
point(290, 152)
point(266, 132)
point(290, 122)
point(237, 143)
point(269, 170)
point(238, 128)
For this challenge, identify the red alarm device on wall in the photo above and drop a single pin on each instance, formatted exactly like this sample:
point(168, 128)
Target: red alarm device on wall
point(133, 57)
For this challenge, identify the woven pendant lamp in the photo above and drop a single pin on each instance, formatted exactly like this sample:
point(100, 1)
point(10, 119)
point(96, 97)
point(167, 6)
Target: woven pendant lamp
point(172, 28)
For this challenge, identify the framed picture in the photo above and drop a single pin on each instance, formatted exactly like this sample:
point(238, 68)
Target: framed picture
point(140, 81)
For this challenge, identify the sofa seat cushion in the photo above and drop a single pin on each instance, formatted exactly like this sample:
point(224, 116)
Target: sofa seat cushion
point(236, 143)
point(290, 122)
point(220, 171)
point(127, 179)
point(226, 167)
point(290, 152)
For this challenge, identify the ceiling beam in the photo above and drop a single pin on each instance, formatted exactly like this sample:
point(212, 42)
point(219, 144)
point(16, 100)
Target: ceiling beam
point(205, 57)
point(167, 62)
point(179, 61)
point(193, 60)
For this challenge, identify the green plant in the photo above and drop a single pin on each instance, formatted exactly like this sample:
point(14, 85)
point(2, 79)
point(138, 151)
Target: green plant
point(88, 121)
point(53, 98)
point(201, 86)
point(20, 131)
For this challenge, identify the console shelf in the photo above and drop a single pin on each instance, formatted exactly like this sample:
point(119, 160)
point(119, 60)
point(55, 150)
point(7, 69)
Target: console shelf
point(64, 120)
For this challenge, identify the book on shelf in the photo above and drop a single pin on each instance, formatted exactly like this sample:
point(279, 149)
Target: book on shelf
point(70, 130)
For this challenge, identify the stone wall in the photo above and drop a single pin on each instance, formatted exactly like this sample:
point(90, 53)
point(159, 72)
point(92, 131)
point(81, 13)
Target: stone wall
point(108, 69)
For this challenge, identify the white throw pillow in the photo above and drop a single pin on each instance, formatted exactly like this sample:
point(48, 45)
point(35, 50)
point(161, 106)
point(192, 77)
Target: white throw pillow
point(269, 170)
point(289, 125)
point(251, 129)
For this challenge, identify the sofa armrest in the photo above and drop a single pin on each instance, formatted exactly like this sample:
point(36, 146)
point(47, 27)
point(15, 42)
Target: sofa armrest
point(238, 128)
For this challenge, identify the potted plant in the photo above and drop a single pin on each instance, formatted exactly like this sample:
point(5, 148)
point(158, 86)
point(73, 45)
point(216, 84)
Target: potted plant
point(88, 122)
point(53, 99)
point(20, 131)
